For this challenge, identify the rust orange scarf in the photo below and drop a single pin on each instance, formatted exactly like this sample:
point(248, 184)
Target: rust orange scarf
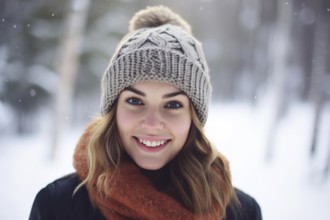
point(133, 196)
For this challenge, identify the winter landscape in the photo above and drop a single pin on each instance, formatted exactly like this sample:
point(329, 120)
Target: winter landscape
point(270, 70)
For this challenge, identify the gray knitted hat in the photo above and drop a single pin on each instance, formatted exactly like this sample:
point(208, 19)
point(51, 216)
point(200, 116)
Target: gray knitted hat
point(159, 48)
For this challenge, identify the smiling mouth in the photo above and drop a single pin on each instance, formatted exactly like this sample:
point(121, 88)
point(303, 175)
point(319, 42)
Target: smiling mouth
point(149, 143)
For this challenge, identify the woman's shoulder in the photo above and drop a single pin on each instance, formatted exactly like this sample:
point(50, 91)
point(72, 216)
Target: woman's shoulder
point(248, 209)
point(63, 187)
point(58, 201)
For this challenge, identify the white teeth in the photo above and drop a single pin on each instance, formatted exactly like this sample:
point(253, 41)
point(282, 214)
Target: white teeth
point(152, 143)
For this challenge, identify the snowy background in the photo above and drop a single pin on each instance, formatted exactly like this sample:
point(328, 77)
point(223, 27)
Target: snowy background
point(290, 186)
point(254, 48)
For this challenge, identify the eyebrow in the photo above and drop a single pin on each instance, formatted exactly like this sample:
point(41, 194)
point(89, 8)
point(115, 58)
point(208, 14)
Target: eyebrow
point(169, 95)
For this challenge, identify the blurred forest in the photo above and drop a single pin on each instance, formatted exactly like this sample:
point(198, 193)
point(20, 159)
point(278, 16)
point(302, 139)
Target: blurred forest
point(53, 54)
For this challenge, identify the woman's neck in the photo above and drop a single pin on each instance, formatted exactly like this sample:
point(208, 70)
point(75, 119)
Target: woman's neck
point(160, 178)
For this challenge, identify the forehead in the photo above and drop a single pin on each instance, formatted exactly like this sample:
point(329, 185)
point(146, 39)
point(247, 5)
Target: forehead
point(155, 86)
point(155, 89)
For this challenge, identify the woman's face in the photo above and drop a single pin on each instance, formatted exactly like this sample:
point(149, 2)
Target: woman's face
point(153, 120)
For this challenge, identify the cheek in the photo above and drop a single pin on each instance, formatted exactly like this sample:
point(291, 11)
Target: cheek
point(125, 121)
point(180, 126)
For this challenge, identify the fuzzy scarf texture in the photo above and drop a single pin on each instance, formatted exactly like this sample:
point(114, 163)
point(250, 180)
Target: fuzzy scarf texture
point(133, 196)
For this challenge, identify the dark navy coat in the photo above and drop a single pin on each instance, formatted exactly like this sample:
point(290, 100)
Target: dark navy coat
point(57, 202)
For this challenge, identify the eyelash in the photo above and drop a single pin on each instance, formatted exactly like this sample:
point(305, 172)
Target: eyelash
point(176, 103)
point(132, 99)
point(169, 105)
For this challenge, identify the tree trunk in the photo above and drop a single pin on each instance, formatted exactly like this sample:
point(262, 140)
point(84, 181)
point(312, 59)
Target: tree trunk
point(69, 55)
point(319, 78)
point(267, 16)
point(279, 54)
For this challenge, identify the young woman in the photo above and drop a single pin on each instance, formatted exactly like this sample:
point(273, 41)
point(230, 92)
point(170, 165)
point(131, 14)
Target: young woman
point(147, 157)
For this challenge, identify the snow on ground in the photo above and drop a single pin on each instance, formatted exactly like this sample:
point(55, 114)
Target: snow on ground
point(288, 187)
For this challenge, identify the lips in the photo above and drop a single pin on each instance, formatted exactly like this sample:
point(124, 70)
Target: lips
point(152, 143)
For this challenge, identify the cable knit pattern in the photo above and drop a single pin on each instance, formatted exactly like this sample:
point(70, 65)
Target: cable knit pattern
point(166, 53)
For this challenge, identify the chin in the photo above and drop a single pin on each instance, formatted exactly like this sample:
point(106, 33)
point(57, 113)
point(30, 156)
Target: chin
point(150, 165)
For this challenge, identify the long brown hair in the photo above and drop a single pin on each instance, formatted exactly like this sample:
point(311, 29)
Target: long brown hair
point(199, 175)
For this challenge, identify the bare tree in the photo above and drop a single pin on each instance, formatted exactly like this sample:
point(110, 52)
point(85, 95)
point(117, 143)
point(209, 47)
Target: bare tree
point(69, 55)
point(319, 78)
point(279, 55)
point(267, 17)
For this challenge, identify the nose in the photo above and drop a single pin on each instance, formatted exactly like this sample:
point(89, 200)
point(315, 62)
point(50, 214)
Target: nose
point(152, 120)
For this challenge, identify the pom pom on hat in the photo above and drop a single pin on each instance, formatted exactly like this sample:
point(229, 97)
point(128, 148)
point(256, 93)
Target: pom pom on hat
point(157, 16)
